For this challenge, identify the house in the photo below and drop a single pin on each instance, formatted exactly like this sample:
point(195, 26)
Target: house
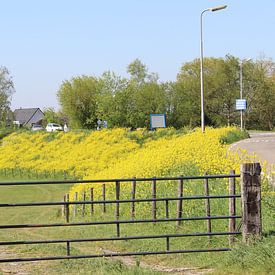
point(28, 116)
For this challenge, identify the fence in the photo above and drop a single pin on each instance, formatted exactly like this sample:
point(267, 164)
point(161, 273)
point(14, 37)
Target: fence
point(35, 174)
point(251, 222)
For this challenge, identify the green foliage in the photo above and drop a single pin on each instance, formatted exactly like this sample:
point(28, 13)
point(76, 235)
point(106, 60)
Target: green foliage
point(5, 132)
point(234, 136)
point(144, 134)
point(185, 97)
point(137, 70)
point(255, 258)
point(6, 91)
point(51, 116)
point(129, 102)
point(79, 100)
point(260, 91)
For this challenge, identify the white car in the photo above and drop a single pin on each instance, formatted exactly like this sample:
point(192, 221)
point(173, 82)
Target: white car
point(52, 127)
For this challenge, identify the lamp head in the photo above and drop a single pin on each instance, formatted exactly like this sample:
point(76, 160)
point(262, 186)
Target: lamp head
point(218, 8)
point(245, 60)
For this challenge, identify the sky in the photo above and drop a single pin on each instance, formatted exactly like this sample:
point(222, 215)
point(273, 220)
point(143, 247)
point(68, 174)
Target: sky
point(44, 43)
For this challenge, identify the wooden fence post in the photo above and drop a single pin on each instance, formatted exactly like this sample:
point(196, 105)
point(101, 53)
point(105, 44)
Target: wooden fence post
point(75, 206)
point(251, 200)
point(232, 206)
point(64, 207)
point(83, 205)
point(133, 210)
point(117, 207)
point(65, 175)
point(179, 204)
point(92, 199)
point(104, 197)
point(207, 206)
point(67, 208)
point(154, 203)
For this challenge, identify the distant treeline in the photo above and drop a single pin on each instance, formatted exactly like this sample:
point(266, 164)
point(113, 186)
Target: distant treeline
point(128, 102)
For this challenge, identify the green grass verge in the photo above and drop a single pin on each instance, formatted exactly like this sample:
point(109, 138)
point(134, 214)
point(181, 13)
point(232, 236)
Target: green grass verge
point(51, 214)
point(234, 136)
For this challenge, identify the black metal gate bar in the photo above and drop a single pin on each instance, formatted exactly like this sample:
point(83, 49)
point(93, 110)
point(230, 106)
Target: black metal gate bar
point(121, 180)
point(117, 201)
point(127, 238)
point(114, 255)
point(118, 222)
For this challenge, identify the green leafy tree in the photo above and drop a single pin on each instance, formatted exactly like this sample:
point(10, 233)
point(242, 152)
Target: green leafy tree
point(149, 99)
point(6, 91)
point(221, 84)
point(259, 89)
point(52, 116)
point(185, 98)
point(138, 71)
point(144, 96)
point(111, 85)
point(79, 101)
point(222, 89)
point(124, 107)
point(129, 102)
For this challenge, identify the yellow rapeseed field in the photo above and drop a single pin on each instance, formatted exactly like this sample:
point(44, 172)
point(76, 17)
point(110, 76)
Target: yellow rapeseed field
point(116, 154)
point(77, 153)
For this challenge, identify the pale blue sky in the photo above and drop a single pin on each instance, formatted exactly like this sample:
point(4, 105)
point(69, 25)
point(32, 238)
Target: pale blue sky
point(46, 42)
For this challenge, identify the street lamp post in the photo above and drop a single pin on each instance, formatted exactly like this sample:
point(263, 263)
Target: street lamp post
point(201, 63)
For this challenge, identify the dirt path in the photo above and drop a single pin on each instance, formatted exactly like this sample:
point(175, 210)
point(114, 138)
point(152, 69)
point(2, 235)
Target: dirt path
point(27, 268)
point(13, 268)
point(131, 261)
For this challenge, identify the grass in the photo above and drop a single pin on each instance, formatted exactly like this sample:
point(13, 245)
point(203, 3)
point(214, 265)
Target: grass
point(234, 136)
point(257, 258)
point(35, 215)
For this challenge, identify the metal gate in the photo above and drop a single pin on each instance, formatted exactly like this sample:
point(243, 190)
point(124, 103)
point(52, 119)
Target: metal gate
point(86, 206)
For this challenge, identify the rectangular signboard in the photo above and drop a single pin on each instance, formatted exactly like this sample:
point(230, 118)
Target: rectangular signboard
point(157, 121)
point(241, 104)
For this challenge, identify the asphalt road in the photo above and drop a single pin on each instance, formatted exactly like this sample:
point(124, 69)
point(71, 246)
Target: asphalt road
point(262, 144)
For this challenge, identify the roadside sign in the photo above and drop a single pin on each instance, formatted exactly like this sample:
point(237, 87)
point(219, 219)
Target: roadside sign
point(241, 104)
point(157, 121)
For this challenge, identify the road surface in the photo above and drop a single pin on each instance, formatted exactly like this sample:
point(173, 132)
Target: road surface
point(262, 144)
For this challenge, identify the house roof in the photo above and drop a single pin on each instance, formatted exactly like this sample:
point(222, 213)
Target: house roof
point(24, 115)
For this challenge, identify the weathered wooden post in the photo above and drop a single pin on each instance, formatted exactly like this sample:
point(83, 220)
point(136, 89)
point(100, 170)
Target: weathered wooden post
point(232, 206)
point(117, 207)
point(75, 206)
point(133, 193)
point(67, 208)
point(64, 206)
point(179, 203)
point(84, 204)
point(207, 206)
point(92, 199)
point(104, 197)
point(154, 202)
point(251, 200)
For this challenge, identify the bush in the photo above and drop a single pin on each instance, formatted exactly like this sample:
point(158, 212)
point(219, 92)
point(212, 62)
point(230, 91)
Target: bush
point(234, 136)
point(5, 132)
